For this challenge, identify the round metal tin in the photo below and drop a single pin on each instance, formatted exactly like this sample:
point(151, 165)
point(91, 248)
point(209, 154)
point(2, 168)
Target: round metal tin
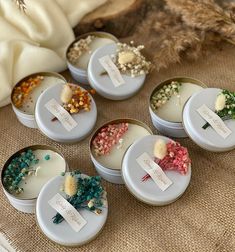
point(102, 82)
point(62, 233)
point(26, 205)
point(148, 192)
point(172, 129)
point(28, 120)
point(208, 138)
point(54, 128)
point(80, 74)
point(107, 173)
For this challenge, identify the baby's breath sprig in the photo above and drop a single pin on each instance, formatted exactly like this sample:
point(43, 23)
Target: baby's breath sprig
point(162, 95)
point(78, 48)
point(130, 60)
point(224, 106)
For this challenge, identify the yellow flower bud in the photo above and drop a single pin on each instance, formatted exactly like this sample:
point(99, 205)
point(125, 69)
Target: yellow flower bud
point(70, 185)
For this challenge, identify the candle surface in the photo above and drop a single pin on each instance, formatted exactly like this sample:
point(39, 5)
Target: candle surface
point(46, 169)
point(113, 160)
point(29, 103)
point(96, 43)
point(173, 108)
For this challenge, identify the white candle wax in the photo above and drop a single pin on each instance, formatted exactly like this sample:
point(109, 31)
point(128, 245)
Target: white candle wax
point(114, 159)
point(173, 108)
point(46, 169)
point(96, 43)
point(29, 104)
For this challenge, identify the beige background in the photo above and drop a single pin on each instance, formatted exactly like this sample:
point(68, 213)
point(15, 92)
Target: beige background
point(202, 220)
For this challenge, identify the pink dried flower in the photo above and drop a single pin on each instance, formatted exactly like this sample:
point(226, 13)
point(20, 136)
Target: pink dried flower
point(108, 137)
point(177, 159)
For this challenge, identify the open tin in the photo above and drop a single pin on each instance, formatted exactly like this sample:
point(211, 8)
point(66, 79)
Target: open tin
point(80, 74)
point(166, 127)
point(28, 118)
point(27, 205)
point(109, 173)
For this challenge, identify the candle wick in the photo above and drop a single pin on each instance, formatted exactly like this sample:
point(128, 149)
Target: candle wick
point(120, 143)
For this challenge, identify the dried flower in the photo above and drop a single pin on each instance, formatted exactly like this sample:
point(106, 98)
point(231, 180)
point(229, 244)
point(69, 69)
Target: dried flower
point(160, 149)
point(66, 94)
point(70, 185)
point(162, 95)
point(78, 48)
point(224, 106)
point(130, 60)
point(220, 102)
point(108, 137)
point(176, 159)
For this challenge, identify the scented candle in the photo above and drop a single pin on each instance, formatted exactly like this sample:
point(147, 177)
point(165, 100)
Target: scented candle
point(109, 144)
point(172, 109)
point(80, 51)
point(167, 102)
point(25, 173)
point(26, 92)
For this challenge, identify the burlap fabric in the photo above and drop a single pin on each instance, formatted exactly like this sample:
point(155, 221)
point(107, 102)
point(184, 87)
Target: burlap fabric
point(201, 220)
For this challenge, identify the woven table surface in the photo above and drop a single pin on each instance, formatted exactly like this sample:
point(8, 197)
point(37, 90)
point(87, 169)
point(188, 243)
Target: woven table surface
point(203, 219)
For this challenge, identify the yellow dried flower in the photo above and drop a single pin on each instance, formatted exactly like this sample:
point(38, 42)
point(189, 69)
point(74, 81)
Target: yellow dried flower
point(70, 185)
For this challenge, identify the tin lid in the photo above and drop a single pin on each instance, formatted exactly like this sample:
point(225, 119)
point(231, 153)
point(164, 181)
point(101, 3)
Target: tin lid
point(193, 122)
point(63, 233)
point(148, 191)
point(102, 82)
point(54, 129)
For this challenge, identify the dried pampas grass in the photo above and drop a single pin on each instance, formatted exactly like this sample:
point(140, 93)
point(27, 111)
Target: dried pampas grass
point(205, 15)
point(185, 29)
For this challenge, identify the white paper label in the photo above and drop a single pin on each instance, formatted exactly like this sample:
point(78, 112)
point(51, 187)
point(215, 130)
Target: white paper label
point(155, 171)
point(61, 114)
point(70, 214)
point(214, 120)
point(112, 71)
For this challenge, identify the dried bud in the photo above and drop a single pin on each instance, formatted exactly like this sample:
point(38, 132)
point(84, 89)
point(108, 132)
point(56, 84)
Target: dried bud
point(160, 149)
point(66, 94)
point(70, 185)
point(126, 57)
point(220, 102)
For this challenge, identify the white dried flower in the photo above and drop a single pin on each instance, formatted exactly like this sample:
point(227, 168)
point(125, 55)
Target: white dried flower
point(160, 149)
point(66, 94)
point(126, 57)
point(220, 102)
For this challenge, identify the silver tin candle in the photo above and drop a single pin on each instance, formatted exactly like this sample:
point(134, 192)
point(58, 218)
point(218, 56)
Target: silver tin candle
point(79, 52)
point(62, 233)
point(142, 186)
point(73, 127)
point(167, 101)
point(124, 132)
point(100, 80)
point(50, 164)
point(196, 126)
point(25, 94)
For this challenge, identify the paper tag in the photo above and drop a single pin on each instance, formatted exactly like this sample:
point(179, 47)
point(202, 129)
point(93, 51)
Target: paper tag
point(70, 214)
point(61, 114)
point(214, 120)
point(112, 71)
point(155, 171)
